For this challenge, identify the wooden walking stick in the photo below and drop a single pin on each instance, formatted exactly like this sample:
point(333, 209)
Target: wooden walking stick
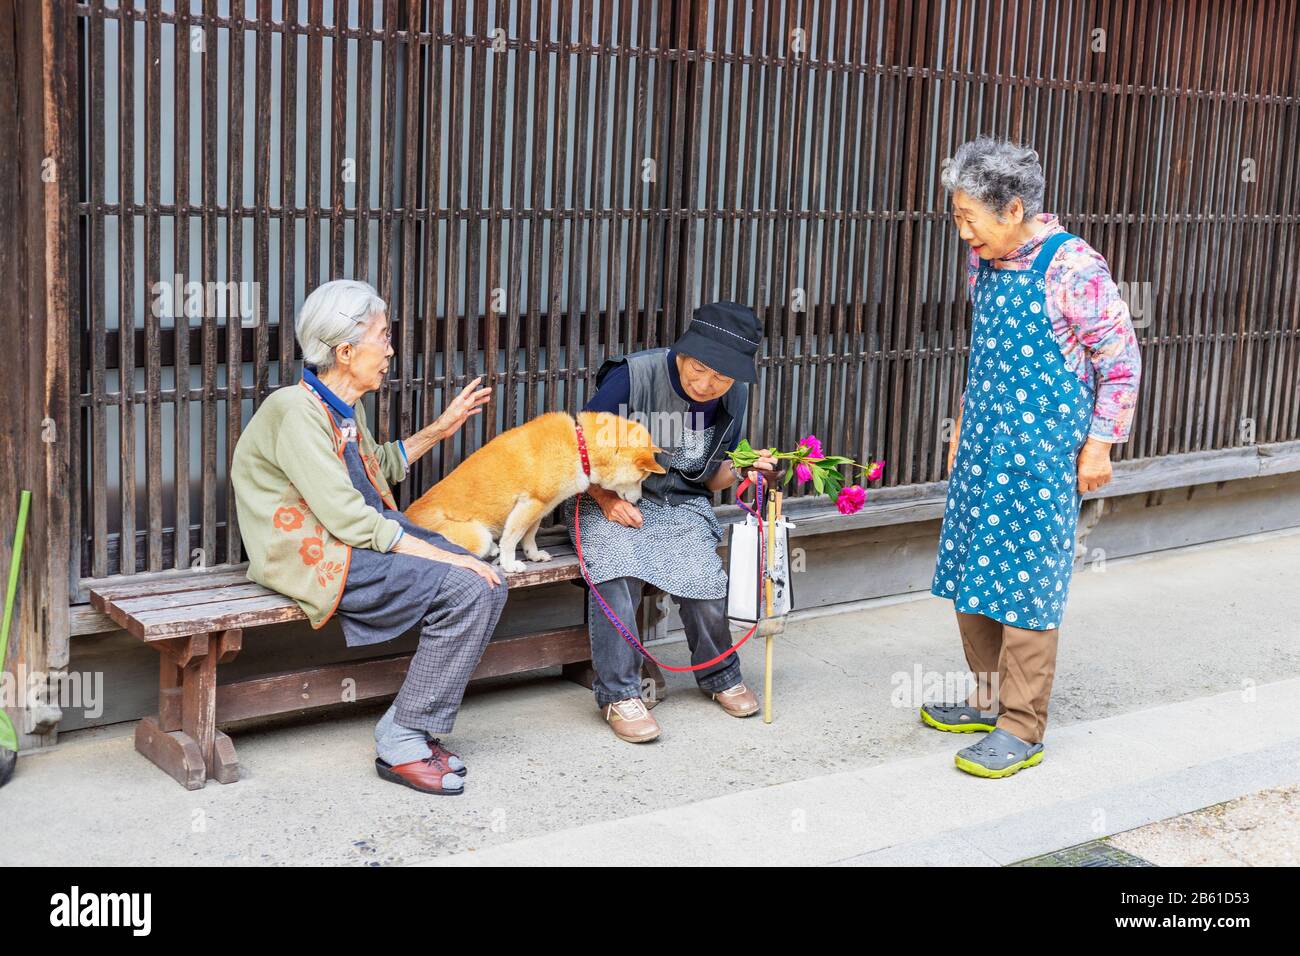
point(772, 513)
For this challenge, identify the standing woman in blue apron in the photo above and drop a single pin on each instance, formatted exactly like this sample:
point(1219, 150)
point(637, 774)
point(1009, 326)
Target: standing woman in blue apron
point(1052, 384)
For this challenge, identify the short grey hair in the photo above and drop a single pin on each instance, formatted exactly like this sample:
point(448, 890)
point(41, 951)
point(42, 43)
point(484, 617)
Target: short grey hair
point(336, 312)
point(994, 172)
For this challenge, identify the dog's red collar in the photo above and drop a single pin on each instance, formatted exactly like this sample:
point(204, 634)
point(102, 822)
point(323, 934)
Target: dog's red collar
point(582, 450)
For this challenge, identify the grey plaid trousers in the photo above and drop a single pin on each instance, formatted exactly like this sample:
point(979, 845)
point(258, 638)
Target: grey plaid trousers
point(453, 635)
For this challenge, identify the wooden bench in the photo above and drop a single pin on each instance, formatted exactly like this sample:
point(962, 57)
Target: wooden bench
point(198, 620)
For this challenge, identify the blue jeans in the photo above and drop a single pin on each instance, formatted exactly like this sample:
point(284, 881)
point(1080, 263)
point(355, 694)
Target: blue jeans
point(618, 664)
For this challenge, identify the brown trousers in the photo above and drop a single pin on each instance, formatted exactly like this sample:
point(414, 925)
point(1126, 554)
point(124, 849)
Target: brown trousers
point(1024, 662)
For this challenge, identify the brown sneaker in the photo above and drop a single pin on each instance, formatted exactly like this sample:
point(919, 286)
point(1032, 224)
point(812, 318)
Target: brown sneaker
point(631, 721)
point(738, 701)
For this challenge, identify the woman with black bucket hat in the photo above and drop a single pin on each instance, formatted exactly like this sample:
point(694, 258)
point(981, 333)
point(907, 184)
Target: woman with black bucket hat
point(693, 398)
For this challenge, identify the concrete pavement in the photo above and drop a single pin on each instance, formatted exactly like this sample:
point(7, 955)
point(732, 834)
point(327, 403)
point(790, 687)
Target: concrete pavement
point(1175, 673)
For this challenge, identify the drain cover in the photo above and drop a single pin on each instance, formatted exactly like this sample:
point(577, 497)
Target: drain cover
point(1097, 853)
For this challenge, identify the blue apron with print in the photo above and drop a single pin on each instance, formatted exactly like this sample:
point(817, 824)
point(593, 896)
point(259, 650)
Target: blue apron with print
point(1006, 548)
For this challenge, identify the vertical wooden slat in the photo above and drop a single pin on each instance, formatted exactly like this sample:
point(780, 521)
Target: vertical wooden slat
point(683, 186)
point(387, 222)
point(46, 633)
point(208, 159)
point(126, 291)
point(749, 288)
point(262, 204)
point(364, 144)
point(729, 187)
point(492, 315)
point(1177, 321)
point(339, 67)
point(857, 430)
point(440, 224)
point(98, 472)
point(1286, 415)
point(1228, 253)
point(410, 233)
point(559, 154)
point(1271, 179)
point(183, 196)
point(1145, 198)
point(600, 323)
point(1176, 174)
point(288, 194)
point(235, 276)
point(771, 289)
point(152, 261)
point(539, 150)
point(475, 320)
point(315, 80)
point(514, 283)
point(580, 315)
point(662, 202)
point(636, 189)
point(707, 101)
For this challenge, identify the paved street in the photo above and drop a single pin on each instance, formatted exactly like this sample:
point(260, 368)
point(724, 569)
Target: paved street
point(1175, 690)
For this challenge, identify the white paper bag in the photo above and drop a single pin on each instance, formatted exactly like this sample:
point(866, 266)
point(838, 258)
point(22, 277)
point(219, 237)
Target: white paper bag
point(746, 598)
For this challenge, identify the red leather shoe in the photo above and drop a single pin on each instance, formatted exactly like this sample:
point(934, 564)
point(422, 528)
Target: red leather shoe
point(428, 775)
point(454, 763)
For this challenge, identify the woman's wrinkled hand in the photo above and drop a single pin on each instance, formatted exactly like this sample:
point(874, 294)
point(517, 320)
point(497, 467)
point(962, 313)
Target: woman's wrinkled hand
point(410, 544)
point(1094, 465)
point(764, 462)
point(622, 512)
point(468, 403)
point(469, 563)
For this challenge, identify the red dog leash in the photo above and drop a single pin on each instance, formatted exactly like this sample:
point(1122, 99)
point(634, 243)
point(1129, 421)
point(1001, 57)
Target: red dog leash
point(609, 611)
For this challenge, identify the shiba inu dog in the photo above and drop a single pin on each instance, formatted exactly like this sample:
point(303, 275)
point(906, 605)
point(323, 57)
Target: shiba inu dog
point(502, 492)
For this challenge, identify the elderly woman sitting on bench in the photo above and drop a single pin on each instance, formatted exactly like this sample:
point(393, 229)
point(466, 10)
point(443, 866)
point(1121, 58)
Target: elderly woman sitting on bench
point(320, 525)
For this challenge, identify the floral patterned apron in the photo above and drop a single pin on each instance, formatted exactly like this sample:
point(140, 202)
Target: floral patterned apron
point(1006, 547)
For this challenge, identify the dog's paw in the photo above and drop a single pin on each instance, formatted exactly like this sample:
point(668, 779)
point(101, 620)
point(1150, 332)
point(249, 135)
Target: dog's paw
point(513, 567)
point(539, 556)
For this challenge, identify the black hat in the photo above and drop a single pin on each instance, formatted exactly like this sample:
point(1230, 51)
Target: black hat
point(724, 336)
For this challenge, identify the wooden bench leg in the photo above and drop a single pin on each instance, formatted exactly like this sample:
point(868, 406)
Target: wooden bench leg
point(183, 739)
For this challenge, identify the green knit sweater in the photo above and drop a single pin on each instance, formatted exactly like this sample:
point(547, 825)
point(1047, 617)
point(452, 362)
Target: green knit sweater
point(299, 514)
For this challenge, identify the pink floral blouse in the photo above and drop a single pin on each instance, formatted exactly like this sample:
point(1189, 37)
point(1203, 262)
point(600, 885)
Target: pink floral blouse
point(1091, 322)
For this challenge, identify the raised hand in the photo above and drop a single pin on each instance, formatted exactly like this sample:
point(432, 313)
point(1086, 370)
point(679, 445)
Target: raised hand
point(468, 403)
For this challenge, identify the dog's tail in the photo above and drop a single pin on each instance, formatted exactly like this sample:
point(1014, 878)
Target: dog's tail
point(473, 536)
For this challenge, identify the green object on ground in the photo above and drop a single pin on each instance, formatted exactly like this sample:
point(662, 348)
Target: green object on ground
point(8, 736)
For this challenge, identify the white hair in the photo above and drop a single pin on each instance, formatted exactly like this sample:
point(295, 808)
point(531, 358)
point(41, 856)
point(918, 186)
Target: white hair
point(336, 312)
point(994, 172)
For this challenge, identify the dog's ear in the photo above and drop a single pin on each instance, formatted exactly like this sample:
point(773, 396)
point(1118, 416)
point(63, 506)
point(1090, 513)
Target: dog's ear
point(646, 462)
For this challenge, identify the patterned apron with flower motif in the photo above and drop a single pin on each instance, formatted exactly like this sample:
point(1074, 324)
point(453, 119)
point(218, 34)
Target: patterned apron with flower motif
point(1006, 547)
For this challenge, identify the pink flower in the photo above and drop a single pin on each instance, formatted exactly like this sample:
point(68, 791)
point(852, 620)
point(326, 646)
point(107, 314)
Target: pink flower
point(875, 471)
point(803, 472)
point(814, 446)
point(851, 499)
